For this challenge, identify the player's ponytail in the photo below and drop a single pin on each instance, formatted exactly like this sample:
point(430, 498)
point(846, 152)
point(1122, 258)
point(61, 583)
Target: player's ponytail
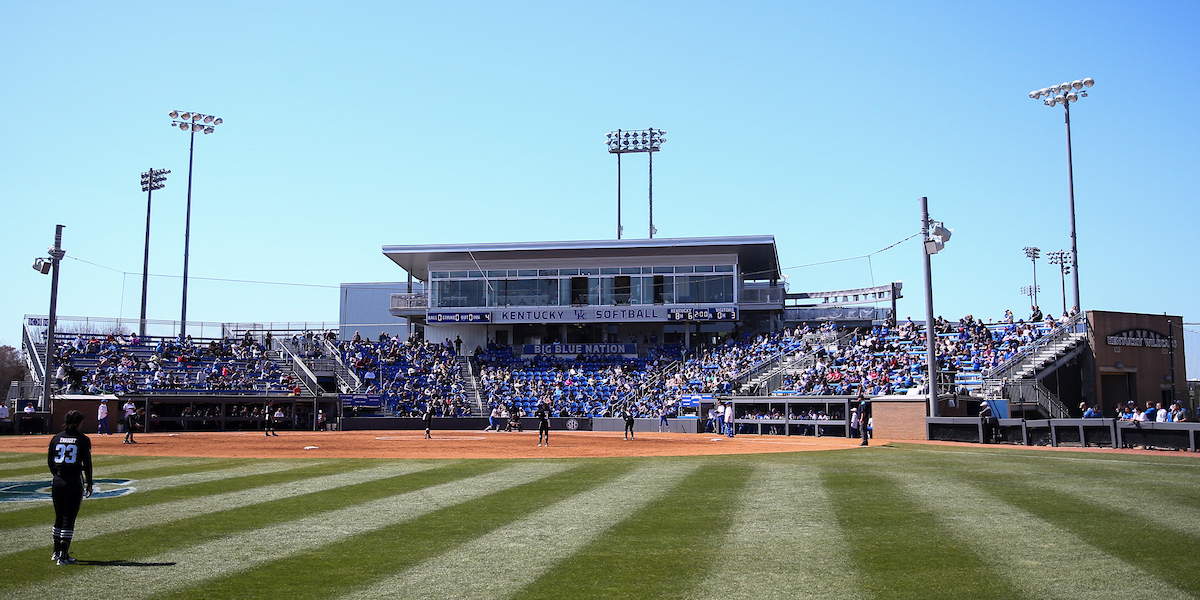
point(73, 419)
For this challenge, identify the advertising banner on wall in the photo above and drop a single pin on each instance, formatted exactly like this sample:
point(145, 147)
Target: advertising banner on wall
point(361, 400)
point(577, 349)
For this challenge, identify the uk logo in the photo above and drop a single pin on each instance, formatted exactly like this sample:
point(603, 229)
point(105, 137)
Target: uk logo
point(33, 491)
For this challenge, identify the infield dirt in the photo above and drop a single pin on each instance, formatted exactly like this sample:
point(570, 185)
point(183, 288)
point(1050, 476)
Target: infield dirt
point(445, 444)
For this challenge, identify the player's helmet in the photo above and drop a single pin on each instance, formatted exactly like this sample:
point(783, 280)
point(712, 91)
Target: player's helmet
point(73, 419)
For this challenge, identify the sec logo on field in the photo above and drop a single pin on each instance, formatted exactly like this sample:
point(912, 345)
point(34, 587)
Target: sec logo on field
point(31, 491)
point(572, 424)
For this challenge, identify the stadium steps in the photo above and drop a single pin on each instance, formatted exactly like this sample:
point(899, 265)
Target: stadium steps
point(1024, 395)
point(471, 386)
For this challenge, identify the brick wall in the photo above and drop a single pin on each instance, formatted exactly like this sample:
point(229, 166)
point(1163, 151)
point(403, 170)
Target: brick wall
point(899, 420)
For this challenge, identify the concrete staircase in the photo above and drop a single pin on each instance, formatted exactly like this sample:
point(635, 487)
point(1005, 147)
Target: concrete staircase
point(1017, 379)
point(472, 387)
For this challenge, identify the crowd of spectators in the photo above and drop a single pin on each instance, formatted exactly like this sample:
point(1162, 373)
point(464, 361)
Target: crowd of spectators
point(120, 365)
point(409, 373)
point(586, 385)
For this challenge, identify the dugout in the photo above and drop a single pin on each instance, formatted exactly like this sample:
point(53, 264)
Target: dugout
point(789, 415)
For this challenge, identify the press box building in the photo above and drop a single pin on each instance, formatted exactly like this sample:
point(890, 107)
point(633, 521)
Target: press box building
point(668, 290)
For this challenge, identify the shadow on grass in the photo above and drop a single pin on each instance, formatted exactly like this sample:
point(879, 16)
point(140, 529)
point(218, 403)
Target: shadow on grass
point(122, 563)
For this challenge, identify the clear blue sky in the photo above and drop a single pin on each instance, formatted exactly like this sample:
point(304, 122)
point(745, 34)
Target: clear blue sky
point(350, 126)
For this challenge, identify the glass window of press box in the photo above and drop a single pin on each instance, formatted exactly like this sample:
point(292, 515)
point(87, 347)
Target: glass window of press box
point(598, 286)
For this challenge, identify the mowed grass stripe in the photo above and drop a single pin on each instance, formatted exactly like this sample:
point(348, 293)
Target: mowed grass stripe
point(1171, 557)
point(11, 457)
point(161, 478)
point(101, 467)
point(20, 467)
point(234, 552)
point(1035, 556)
point(534, 543)
point(111, 522)
point(657, 552)
point(129, 547)
point(784, 542)
point(42, 512)
point(1165, 506)
point(358, 561)
point(899, 548)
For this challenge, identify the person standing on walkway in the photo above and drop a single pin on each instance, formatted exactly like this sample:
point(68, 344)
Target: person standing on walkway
point(102, 418)
point(729, 428)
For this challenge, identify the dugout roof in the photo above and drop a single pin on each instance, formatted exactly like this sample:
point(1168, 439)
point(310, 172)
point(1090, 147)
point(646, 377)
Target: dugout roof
point(757, 254)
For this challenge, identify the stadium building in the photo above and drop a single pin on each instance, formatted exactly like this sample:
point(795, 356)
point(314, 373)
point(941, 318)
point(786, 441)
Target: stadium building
point(604, 296)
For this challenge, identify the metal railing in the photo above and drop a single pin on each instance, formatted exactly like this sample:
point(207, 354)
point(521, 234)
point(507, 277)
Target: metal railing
point(1027, 391)
point(412, 300)
point(347, 379)
point(299, 367)
point(1078, 323)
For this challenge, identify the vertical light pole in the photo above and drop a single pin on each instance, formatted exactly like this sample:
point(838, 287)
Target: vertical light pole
point(43, 266)
point(1062, 258)
point(151, 180)
point(1065, 94)
point(1033, 253)
point(1029, 290)
point(191, 122)
point(646, 140)
point(934, 235)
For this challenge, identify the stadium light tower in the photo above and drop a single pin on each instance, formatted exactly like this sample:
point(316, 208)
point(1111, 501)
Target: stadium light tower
point(192, 122)
point(1065, 94)
point(934, 235)
point(154, 179)
point(645, 140)
point(1033, 253)
point(1031, 291)
point(1062, 258)
point(43, 266)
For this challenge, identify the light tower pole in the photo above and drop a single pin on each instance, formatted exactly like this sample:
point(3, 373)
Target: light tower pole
point(1062, 258)
point(1065, 94)
point(151, 180)
point(621, 142)
point(934, 236)
point(1033, 253)
point(191, 122)
point(44, 266)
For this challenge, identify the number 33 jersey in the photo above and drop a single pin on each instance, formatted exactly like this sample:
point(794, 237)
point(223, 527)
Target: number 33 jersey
point(70, 455)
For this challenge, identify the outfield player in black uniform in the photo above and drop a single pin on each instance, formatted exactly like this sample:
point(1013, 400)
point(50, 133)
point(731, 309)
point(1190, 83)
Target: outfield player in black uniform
point(70, 460)
point(628, 415)
point(269, 415)
point(428, 418)
point(543, 416)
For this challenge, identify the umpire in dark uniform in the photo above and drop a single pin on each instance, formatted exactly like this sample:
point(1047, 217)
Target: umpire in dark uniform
point(627, 414)
point(70, 460)
point(543, 417)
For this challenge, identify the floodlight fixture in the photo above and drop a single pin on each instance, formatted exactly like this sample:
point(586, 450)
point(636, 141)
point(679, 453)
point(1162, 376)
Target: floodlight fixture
point(1033, 253)
point(191, 122)
point(1066, 94)
point(1062, 258)
point(643, 140)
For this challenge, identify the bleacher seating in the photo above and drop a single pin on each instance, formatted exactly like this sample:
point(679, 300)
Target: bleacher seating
point(117, 365)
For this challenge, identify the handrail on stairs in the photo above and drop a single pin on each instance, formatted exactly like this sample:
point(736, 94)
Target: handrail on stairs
point(1078, 323)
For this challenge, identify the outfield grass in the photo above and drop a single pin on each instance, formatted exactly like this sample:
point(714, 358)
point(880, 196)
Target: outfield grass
point(910, 521)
